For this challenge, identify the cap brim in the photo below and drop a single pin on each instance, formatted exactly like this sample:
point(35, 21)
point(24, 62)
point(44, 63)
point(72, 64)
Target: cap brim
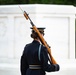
point(41, 28)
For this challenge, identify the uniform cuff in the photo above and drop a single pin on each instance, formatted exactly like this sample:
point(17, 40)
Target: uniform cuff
point(57, 67)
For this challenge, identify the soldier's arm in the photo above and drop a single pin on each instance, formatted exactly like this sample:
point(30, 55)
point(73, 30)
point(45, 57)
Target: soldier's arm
point(46, 66)
point(23, 64)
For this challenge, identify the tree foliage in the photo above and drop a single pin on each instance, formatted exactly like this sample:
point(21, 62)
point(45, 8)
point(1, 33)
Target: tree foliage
point(61, 2)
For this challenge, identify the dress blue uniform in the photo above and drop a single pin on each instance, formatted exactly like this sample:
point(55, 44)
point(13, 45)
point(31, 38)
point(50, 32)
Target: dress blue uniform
point(34, 64)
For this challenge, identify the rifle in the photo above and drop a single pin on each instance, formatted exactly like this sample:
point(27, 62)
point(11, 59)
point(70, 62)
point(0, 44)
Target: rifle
point(40, 36)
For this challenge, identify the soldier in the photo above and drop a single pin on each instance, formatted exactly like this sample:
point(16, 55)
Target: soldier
point(34, 60)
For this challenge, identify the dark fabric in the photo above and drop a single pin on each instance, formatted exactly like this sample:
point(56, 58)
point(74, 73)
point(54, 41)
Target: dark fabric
point(30, 57)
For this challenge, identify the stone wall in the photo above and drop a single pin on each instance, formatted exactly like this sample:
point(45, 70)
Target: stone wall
point(59, 21)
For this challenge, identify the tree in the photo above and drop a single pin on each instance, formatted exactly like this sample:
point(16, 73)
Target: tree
point(61, 2)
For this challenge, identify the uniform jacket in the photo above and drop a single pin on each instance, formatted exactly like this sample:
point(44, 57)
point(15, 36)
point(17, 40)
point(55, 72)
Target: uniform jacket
point(30, 57)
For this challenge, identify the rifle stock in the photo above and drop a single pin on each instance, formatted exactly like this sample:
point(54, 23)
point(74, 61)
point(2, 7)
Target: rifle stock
point(41, 38)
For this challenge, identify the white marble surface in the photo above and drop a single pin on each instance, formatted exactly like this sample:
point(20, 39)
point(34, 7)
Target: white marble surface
point(59, 21)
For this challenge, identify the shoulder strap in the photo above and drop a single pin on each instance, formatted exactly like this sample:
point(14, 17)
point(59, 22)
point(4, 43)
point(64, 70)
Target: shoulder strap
point(39, 52)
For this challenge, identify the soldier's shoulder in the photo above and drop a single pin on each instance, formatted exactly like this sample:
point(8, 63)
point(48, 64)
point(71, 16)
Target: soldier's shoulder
point(27, 45)
point(44, 49)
